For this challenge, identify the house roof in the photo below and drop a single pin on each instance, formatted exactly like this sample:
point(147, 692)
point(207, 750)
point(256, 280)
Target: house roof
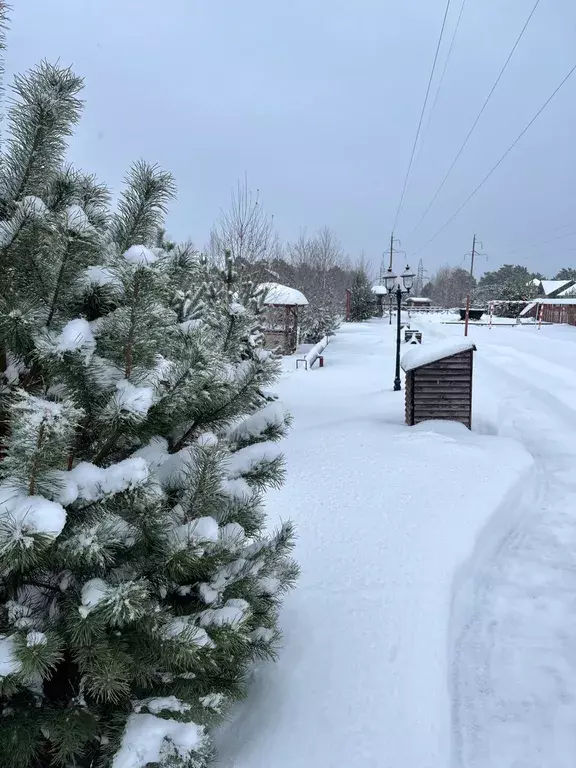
point(419, 299)
point(567, 292)
point(282, 295)
point(418, 355)
point(553, 286)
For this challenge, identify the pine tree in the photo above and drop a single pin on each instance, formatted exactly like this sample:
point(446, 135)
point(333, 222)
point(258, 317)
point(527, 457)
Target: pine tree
point(362, 303)
point(137, 439)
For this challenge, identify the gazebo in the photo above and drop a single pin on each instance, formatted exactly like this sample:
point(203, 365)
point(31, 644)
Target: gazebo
point(379, 291)
point(281, 318)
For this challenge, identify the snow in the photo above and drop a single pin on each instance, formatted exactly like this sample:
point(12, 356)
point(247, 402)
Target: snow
point(195, 634)
point(93, 593)
point(75, 336)
point(202, 529)
point(246, 459)
point(315, 352)
point(559, 302)
point(34, 206)
point(394, 523)
point(282, 295)
point(133, 399)
point(527, 309)
point(379, 290)
point(231, 614)
point(549, 286)
point(188, 326)
point(148, 739)
point(423, 354)
point(94, 483)
point(36, 638)
point(236, 308)
point(162, 704)
point(273, 414)
point(9, 664)
point(262, 635)
point(23, 515)
point(140, 255)
point(78, 221)
point(569, 291)
point(99, 276)
point(419, 300)
point(213, 701)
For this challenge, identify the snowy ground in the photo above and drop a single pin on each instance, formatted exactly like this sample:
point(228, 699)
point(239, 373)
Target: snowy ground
point(434, 624)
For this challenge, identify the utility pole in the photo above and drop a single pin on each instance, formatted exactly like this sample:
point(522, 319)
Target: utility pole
point(470, 286)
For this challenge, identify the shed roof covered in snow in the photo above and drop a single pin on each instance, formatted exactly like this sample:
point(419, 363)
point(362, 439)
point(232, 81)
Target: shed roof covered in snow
point(282, 295)
point(379, 290)
point(418, 356)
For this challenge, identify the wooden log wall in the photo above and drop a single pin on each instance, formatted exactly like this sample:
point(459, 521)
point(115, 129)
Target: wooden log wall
point(441, 390)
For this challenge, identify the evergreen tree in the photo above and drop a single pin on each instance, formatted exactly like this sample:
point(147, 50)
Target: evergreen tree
point(362, 303)
point(137, 439)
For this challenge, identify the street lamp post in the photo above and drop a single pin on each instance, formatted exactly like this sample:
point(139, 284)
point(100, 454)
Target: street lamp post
point(393, 285)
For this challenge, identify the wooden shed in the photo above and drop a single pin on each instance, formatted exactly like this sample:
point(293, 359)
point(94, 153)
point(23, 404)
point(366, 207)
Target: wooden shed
point(439, 381)
point(281, 318)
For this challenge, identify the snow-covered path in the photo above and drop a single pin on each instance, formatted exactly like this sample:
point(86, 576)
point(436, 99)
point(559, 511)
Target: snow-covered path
point(387, 517)
point(515, 671)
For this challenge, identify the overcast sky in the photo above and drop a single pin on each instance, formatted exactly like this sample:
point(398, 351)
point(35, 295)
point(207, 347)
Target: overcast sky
point(318, 101)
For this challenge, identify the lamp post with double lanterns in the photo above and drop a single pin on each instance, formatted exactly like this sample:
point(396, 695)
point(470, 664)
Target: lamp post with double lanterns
point(399, 285)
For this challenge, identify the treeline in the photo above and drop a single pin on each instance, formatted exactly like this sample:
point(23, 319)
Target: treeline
point(315, 264)
point(511, 282)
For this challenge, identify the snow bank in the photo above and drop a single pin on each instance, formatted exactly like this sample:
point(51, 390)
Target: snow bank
point(429, 353)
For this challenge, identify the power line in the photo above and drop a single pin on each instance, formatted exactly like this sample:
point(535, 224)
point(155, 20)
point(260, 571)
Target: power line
point(442, 76)
point(544, 242)
point(421, 116)
point(477, 120)
point(504, 156)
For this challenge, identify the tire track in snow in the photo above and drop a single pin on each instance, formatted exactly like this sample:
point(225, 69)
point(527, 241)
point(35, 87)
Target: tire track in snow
point(514, 674)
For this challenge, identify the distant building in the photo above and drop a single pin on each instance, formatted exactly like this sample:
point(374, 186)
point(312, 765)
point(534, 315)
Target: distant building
point(553, 289)
point(418, 301)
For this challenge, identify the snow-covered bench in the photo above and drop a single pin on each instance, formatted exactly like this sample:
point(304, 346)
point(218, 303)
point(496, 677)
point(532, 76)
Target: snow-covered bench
point(314, 354)
point(413, 336)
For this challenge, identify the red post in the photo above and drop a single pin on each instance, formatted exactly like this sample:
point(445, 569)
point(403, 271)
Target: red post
point(348, 309)
point(467, 315)
point(321, 361)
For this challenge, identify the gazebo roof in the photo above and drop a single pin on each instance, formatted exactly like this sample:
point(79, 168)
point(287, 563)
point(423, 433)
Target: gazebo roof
point(282, 295)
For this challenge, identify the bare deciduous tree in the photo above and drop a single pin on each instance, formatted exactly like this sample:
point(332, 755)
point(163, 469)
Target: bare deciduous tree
point(247, 231)
point(449, 286)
